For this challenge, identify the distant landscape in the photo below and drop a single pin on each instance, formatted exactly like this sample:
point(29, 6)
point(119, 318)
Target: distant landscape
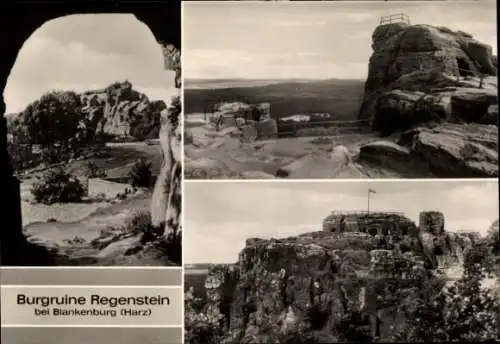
point(339, 97)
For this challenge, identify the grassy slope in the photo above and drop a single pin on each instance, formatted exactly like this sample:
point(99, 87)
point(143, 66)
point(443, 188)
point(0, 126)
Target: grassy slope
point(341, 98)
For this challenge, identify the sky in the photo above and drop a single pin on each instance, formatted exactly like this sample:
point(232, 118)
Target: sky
point(84, 52)
point(312, 40)
point(227, 213)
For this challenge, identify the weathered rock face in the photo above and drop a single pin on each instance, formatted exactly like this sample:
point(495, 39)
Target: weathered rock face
point(317, 284)
point(421, 73)
point(115, 109)
point(166, 204)
point(446, 151)
point(312, 284)
point(370, 222)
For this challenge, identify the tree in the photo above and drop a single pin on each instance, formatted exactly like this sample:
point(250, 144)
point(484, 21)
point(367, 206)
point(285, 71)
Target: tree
point(56, 185)
point(463, 311)
point(493, 238)
point(140, 174)
point(54, 119)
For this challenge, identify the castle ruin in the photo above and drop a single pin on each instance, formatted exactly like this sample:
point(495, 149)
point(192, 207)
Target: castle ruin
point(373, 223)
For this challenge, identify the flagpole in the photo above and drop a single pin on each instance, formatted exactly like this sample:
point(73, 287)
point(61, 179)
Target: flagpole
point(368, 201)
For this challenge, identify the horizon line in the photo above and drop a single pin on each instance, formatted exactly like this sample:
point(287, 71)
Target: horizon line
point(272, 78)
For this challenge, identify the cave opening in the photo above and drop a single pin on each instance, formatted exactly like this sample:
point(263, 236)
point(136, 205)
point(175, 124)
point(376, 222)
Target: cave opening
point(388, 121)
point(463, 67)
point(20, 24)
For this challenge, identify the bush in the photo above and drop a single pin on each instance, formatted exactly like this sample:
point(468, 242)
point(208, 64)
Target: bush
point(56, 185)
point(140, 174)
point(94, 171)
point(139, 223)
point(461, 312)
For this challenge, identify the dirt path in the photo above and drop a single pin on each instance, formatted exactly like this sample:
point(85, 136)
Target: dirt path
point(57, 234)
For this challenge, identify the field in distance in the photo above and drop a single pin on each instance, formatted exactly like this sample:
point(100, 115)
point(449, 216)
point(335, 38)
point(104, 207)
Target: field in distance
point(339, 97)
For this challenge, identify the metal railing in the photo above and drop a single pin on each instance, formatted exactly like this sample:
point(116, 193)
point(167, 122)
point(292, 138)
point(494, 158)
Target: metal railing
point(365, 212)
point(395, 18)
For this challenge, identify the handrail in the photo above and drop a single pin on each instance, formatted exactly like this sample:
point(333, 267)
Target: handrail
point(359, 212)
point(395, 18)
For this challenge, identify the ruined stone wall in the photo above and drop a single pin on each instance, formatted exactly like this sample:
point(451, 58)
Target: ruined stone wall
point(373, 223)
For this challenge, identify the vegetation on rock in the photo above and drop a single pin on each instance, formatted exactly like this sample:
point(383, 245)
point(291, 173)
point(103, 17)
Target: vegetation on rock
point(314, 288)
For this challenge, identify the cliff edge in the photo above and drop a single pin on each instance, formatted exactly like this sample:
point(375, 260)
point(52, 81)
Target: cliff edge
point(339, 284)
point(440, 88)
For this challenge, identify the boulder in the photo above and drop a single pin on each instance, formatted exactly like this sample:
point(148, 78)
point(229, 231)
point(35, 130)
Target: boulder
point(204, 168)
point(394, 157)
point(460, 151)
point(446, 150)
point(422, 73)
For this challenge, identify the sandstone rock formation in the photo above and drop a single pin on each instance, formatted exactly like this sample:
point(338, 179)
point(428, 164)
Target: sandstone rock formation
point(167, 197)
point(317, 284)
point(420, 74)
point(116, 109)
point(306, 284)
point(448, 150)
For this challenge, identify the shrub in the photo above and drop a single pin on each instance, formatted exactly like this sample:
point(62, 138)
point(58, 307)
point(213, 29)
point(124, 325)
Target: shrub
point(56, 185)
point(461, 312)
point(140, 222)
point(140, 174)
point(94, 171)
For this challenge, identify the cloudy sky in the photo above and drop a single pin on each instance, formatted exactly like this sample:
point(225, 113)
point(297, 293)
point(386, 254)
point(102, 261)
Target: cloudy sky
point(230, 212)
point(316, 40)
point(82, 52)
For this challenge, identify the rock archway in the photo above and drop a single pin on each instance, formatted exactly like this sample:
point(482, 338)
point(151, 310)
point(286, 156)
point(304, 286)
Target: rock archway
point(18, 22)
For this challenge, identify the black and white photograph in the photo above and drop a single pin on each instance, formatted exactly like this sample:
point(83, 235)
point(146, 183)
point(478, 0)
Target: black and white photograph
point(326, 262)
point(91, 135)
point(340, 89)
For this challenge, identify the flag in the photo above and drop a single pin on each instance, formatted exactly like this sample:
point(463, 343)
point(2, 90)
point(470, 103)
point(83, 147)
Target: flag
point(371, 191)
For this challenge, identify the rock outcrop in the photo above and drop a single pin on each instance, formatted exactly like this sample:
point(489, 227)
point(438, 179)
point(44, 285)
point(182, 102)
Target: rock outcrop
point(166, 203)
point(412, 61)
point(317, 284)
point(116, 109)
point(421, 75)
point(312, 284)
point(446, 151)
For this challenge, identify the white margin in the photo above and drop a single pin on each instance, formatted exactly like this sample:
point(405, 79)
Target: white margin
point(183, 210)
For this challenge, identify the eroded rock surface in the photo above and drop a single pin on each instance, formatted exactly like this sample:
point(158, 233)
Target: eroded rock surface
point(447, 150)
point(421, 74)
point(317, 284)
point(167, 197)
